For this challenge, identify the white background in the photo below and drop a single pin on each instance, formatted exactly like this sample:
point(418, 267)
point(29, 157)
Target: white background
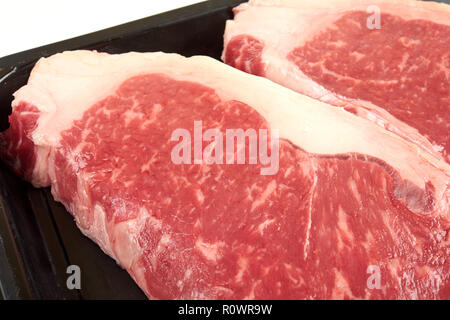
point(26, 24)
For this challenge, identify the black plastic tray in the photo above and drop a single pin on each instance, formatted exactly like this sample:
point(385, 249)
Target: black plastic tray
point(38, 237)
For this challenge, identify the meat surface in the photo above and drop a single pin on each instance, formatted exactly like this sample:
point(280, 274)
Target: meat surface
point(394, 71)
point(354, 211)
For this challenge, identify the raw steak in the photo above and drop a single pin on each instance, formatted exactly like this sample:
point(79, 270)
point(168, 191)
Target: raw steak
point(354, 211)
point(398, 75)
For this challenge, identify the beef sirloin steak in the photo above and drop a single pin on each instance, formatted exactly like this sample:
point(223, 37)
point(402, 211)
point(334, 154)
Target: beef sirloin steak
point(354, 211)
point(397, 75)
